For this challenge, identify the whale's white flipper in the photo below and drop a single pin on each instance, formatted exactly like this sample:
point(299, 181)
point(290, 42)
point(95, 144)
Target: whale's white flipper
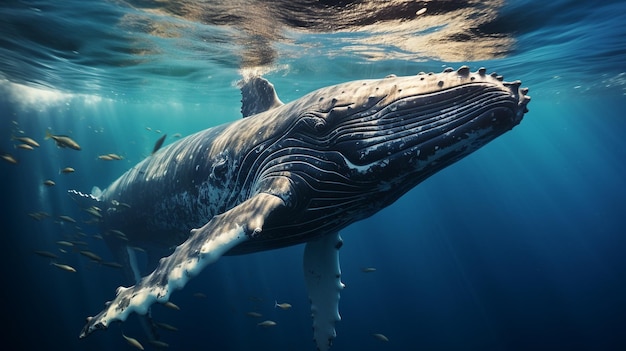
point(204, 246)
point(322, 275)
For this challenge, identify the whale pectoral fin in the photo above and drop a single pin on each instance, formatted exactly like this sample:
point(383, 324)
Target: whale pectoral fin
point(203, 247)
point(322, 275)
point(126, 256)
point(257, 95)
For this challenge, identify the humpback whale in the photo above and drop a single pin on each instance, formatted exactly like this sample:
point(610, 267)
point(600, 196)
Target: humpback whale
point(295, 173)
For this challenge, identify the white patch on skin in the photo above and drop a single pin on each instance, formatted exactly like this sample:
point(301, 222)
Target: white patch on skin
point(361, 169)
point(197, 209)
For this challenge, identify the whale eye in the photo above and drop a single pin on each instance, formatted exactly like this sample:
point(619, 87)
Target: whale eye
point(314, 122)
point(319, 124)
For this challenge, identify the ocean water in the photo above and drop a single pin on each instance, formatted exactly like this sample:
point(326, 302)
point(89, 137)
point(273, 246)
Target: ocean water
point(519, 246)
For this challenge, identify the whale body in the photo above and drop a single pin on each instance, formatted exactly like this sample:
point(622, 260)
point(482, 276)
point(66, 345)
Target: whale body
point(295, 173)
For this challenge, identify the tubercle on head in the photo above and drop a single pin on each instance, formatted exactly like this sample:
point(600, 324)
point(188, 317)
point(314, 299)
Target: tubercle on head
point(449, 76)
point(464, 72)
point(398, 87)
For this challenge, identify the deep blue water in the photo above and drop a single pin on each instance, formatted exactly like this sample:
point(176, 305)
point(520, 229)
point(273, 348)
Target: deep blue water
point(519, 246)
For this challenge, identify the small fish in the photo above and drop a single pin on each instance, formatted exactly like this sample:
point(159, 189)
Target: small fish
point(67, 170)
point(9, 158)
point(159, 344)
point(62, 141)
point(105, 158)
point(166, 326)
point(111, 264)
point(133, 342)
point(92, 221)
point(49, 182)
point(65, 243)
point(368, 269)
point(91, 255)
point(110, 157)
point(284, 305)
point(64, 267)
point(117, 232)
point(122, 238)
point(38, 215)
point(25, 147)
point(254, 314)
point(46, 254)
point(267, 323)
point(158, 144)
point(380, 337)
point(94, 211)
point(199, 295)
point(177, 135)
point(171, 305)
point(115, 157)
point(67, 219)
point(26, 140)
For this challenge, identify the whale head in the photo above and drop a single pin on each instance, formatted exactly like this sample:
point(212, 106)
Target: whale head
point(398, 131)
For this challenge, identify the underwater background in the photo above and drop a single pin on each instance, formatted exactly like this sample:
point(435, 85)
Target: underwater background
point(519, 246)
